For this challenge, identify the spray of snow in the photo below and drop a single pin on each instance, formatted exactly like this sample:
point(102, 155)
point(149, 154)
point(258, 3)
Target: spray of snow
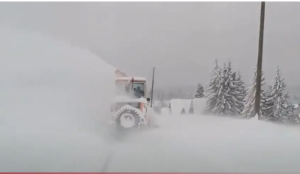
point(53, 99)
point(209, 144)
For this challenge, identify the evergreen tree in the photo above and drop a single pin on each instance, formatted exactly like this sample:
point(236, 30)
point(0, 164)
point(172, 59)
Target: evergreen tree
point(231, 94)
point(200, 91)
point(220, 105)
point(213, 89)
point(241, 92)
point(267, 105)
point(280, 101)
point(249, 103)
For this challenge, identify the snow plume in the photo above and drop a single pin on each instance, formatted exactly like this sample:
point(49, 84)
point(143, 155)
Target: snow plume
point(249, 105)
point(54, 101)
point(125, 89)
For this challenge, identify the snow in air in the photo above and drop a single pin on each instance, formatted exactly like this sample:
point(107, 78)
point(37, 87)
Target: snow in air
point(55, 101)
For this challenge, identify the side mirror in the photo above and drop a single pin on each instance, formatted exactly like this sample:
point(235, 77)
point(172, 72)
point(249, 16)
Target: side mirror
point(148, 99)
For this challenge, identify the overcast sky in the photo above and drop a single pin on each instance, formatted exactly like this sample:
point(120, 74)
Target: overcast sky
point(181, 40)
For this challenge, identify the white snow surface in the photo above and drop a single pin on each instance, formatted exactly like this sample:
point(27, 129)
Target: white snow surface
point(187, 105)
point(199, 105)
point(53, 99)
point(176, 106)
point(165, 111)
point(209, 144)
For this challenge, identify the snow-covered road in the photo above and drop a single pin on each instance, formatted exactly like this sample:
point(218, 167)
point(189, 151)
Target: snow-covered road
point(189, 143)
point(183, 143)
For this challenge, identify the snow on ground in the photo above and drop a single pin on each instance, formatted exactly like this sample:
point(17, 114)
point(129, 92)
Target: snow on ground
point(54, 99)
point(165, 111)
point(186, 104)
point(199, 105)
point(176, 106)
point(192, 143)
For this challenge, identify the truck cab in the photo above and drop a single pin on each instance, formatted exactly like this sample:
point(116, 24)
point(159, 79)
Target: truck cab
point(135, 86)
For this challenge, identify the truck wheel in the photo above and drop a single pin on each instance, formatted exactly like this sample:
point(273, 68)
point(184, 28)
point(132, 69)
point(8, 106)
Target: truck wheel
point(127, 119)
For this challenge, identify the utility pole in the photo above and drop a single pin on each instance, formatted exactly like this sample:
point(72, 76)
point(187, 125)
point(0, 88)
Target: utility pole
point(152, 88)
point(259, 60)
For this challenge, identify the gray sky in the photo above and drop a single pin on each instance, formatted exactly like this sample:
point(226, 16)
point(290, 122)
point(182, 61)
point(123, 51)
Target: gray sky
point(180, 39)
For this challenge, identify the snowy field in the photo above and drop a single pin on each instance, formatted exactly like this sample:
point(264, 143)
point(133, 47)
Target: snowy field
point(54, 107)
point(189, 143)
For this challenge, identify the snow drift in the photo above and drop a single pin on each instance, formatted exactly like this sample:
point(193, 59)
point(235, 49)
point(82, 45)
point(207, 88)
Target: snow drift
point(54, 99)
point(199, 105)
point(165, 111)
point(177, 105)
point(186, 105)
point(194, 143)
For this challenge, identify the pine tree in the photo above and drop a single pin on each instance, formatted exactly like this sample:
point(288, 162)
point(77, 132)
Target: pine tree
point(200, 91)
point(220, 102)
point(234, 97)
point(231, 93)
point(267, 105)
point(241, 92)
point(280, 100)
point(249, 103)
point(213, 89)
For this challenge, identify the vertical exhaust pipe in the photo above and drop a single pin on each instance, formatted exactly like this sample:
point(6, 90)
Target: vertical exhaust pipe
point(152, 88)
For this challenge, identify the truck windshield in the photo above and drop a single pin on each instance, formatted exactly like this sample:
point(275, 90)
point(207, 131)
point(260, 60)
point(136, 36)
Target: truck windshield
point(139, 89)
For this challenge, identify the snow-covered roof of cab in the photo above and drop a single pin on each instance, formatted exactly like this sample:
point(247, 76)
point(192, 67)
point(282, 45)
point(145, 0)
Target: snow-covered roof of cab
point(129, 78)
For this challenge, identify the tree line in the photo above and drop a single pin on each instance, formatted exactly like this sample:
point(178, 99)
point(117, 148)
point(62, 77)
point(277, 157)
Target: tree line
point(226, 95)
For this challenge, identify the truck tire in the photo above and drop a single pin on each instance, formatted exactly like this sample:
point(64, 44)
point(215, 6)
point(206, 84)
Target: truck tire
point(127, 119)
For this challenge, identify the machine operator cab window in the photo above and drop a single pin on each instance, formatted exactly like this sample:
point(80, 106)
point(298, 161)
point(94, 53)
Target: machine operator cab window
point(139, 89)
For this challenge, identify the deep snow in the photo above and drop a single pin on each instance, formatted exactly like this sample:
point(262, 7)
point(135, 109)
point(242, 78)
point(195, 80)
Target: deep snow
point(55, 101)
point(193, 143)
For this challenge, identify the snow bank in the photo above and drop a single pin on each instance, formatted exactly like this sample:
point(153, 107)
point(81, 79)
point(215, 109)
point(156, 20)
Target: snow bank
point(54, 99)
point(196, 143)
point(199, 105)
point(187, 105)
point(165, 111)
point(176, 106)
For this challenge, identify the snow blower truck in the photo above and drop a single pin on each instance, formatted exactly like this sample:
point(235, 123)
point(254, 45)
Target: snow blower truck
point(131, 108)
